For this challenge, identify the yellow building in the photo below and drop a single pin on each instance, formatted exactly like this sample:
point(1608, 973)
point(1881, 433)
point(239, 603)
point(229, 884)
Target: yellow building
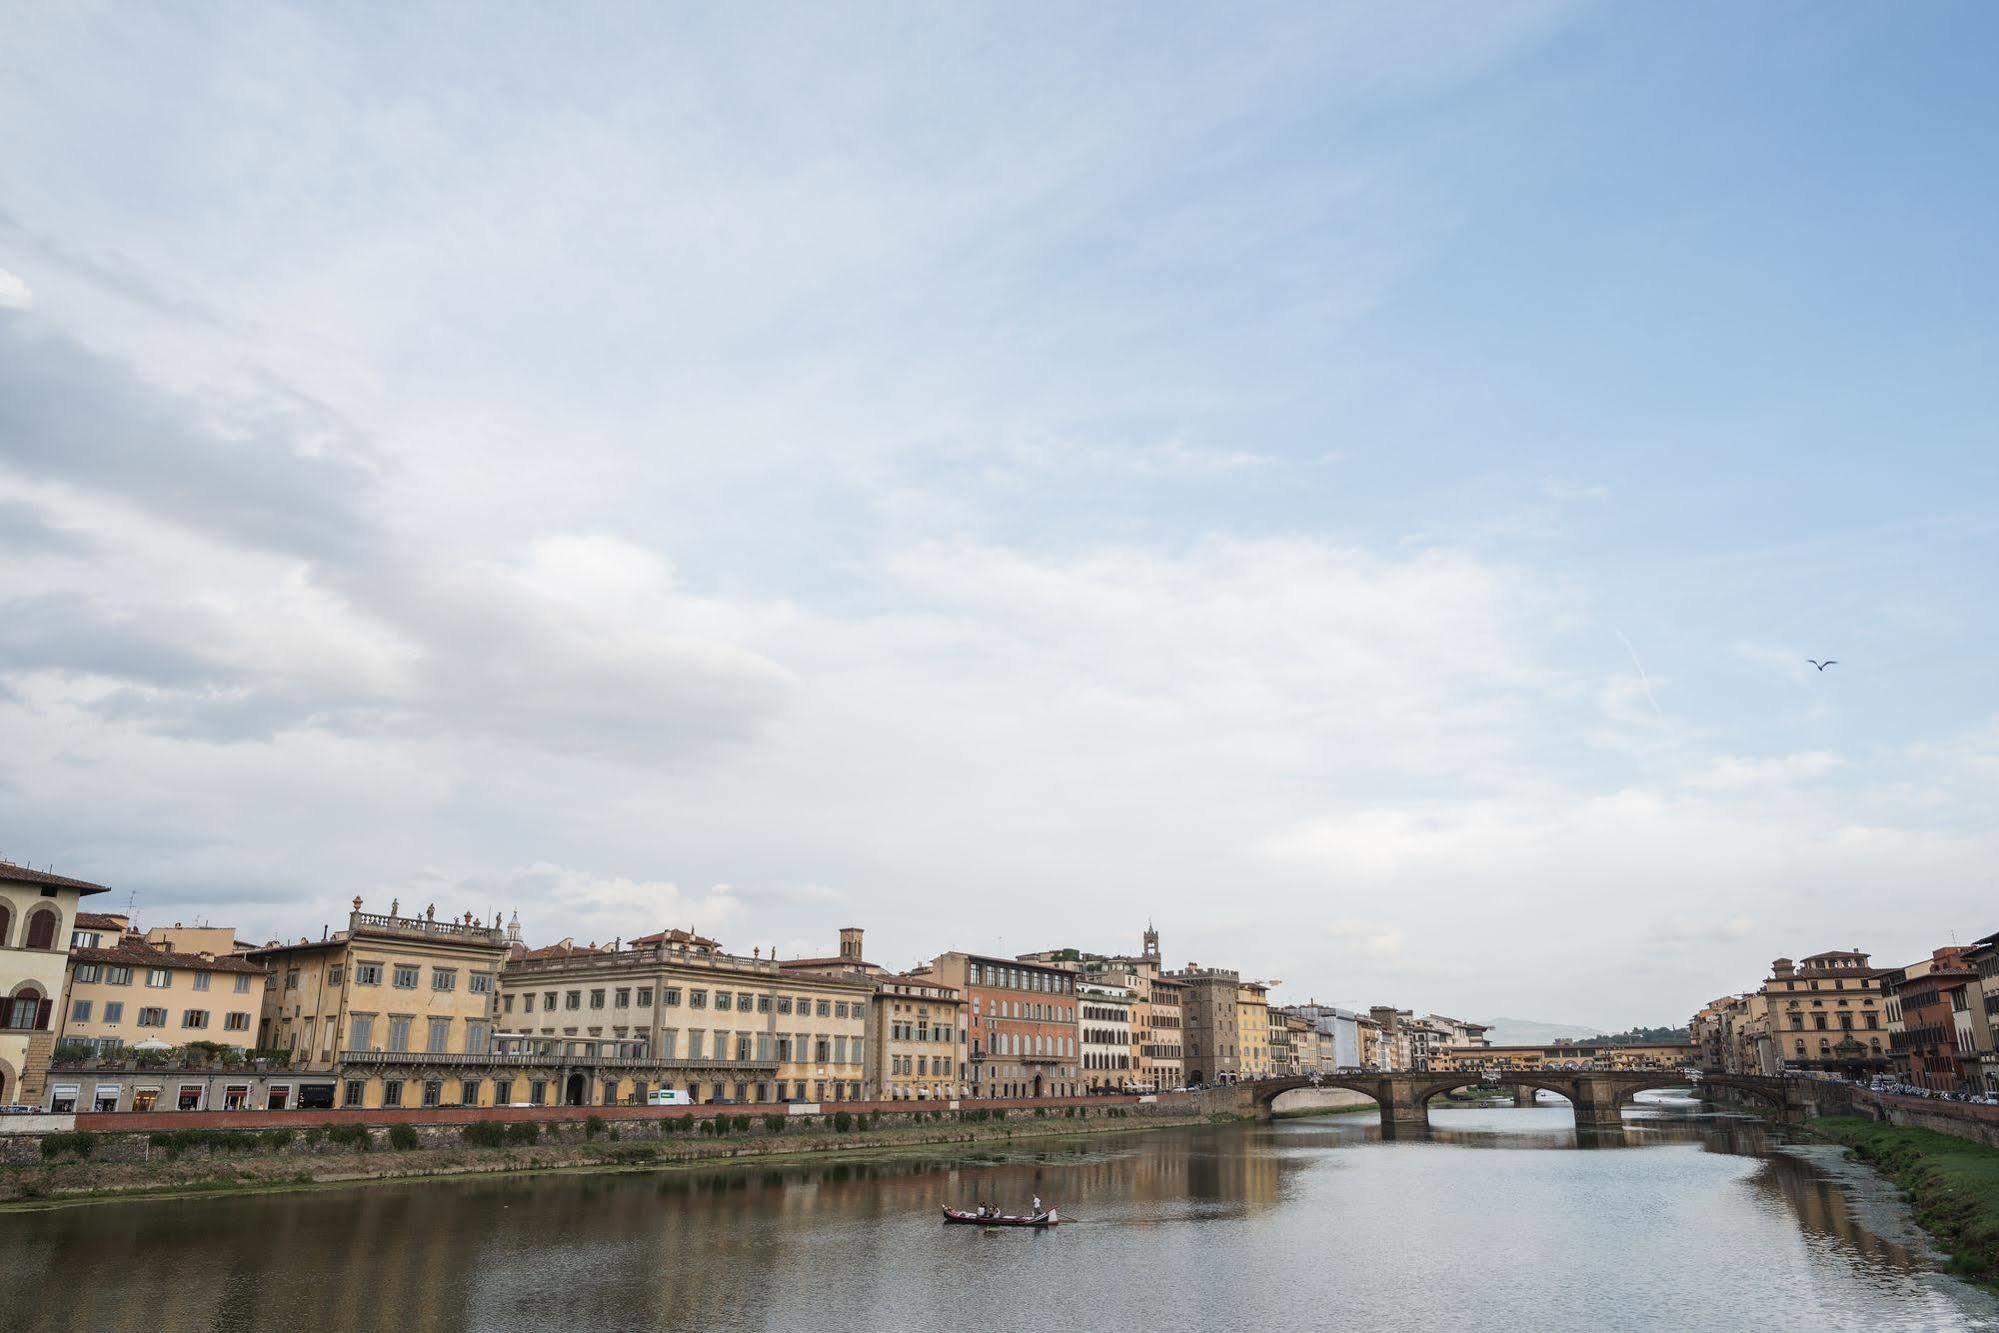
point(916, 1041)
point(128, 991)
point(674, 1011)
point(1252, 1017)
point(38, 911)
point(400, 1007)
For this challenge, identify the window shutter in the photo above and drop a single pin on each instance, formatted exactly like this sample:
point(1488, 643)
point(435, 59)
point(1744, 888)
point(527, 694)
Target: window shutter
point(42, 1015)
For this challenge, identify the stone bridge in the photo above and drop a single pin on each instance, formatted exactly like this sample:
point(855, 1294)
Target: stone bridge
point(1599, 1096)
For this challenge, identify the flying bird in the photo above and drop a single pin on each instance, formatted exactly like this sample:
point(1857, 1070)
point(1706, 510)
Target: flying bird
point(1830, 661)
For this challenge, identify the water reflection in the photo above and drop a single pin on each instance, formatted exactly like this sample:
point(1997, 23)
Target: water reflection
point(1704, 1222)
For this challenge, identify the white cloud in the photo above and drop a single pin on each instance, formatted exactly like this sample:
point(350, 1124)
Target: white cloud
point(14, 293)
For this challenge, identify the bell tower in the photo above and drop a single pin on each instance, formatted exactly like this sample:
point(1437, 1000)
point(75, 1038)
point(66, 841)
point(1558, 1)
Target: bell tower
point(1151, 942)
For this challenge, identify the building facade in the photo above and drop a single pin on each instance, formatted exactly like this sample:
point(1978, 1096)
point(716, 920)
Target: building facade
point(396, 1006)
point(129, 992)
point(1022, 1026)
point(1928, 998)
point(1213, 1046)
point(1104, 1023)
point(917, 1040)
point(38, 913)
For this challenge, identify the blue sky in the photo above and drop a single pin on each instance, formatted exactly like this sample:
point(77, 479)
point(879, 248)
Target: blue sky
point(1358, 487)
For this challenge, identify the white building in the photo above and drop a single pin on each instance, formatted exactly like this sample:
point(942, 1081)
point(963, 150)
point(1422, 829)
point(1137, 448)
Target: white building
point(1103, 1017)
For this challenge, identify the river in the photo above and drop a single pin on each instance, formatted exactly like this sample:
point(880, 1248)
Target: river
point(1495, 1219)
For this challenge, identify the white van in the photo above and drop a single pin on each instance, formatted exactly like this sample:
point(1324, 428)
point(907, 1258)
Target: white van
point(668, 1097)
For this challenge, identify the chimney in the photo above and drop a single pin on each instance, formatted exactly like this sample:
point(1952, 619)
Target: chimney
point(850, 943)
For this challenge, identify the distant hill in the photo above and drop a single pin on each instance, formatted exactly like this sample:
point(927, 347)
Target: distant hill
point(1526, 1032)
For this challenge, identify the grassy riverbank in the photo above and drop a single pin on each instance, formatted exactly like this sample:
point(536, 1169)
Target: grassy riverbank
point(1952, 1183)
point(67, 1181)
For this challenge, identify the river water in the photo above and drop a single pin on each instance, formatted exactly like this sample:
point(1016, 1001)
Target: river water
point(1496, 1219)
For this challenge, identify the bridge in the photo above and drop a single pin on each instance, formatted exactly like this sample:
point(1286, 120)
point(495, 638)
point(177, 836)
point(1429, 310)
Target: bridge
point(1599, 1096)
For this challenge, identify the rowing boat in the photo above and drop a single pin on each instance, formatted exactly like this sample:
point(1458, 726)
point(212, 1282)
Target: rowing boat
point(959, 1216)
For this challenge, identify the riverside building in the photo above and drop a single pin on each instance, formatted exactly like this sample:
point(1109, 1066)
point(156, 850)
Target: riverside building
point(38, 913)
point(1022, 1035)
point(674, 1011)
point(916, 1041)
point(399, 1008)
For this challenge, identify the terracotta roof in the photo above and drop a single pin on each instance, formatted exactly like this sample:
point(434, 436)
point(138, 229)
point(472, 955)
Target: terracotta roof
point(98, 921)
point(28, 875)
point(563, 950)
point(143, 955)
point(854, 964)
point(675, 936)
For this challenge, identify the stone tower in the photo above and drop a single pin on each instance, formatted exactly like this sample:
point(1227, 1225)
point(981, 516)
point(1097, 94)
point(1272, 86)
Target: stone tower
point(850, 944)
point(1151, 942)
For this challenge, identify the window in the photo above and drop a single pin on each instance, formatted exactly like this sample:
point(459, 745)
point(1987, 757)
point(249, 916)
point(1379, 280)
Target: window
point(79, 1011)
point(399, 1032)
point(291, 978)
point(41, 931)
point(537, 1093)
point(114, 1011)
point(440, 1036)
point(392, 1092)
point(475, 1037)
point(621, 998)
point(194, 1018)
point(573, 1000)
point(763, 1004)
point(159, 978)
point(334, 975)
point(406, 976)
point(201, 981)
point(723, 999)
point(479, 983)
point(840, 1009)
point(152, 1018)
point(825, 1009)
point(645, 997)
point(86, 972)
point(352, 1092)
point(367, 974)
point(697, 999)
point(236, 1022)
point(444, 978)
point(115, 975)
point(784, 1004)
point(548, 1001)
point(694, 1044)
point(433, 1092)
point(360, 1030)
point(596, 999)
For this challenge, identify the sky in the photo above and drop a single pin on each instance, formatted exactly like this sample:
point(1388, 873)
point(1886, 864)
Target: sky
point(1355, 485)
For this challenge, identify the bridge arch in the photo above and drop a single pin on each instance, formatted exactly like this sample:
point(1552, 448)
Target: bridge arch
point(1561, 1087)
point(1755, 1087)
point(1361, 1087)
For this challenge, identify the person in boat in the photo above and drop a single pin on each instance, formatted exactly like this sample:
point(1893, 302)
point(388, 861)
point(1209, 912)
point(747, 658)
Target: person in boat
point(1037, 1207)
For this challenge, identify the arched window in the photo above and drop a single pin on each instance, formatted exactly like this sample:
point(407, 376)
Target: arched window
point(6, 923)
point(41, 929)
point(26, 1007)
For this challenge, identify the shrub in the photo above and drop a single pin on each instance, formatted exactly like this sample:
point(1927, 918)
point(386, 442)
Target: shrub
point(356, 1137)
point(527, 1131)
point(484, 1134)
point(639, 1154)
point(403, 1137)
point(278, 1139)
point(774, 1124)
point(78, 1142)
point(842, 1122)
point(593, 1125)
point(71, 1053)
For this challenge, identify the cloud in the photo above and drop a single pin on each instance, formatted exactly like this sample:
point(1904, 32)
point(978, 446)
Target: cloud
point(1732, 772)
point(14, 293)
point(593, 907)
